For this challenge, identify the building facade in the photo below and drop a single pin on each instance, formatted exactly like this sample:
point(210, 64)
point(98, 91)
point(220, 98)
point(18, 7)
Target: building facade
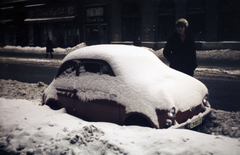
point(140, 22)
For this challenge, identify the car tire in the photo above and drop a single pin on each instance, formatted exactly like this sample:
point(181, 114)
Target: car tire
point(137, 120)
point(54, 105)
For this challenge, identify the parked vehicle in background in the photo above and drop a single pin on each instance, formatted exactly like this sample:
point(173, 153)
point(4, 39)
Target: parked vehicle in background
point(126, 85)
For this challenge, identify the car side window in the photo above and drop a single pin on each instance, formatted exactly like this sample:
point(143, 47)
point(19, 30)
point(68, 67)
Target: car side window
point(105, 69)
point(90, 67)
point(77, 67)
point(68, 69)
point(95, 67)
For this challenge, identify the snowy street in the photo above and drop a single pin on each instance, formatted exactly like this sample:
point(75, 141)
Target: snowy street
point(220, 73)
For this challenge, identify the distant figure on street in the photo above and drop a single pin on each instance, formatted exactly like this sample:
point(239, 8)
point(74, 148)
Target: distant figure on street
point(49, 48)
point(180, 49)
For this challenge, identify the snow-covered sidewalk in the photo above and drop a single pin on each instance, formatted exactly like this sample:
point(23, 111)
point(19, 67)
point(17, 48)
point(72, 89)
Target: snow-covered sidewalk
point(27, 128)
point(224, 54)
point(39, 50)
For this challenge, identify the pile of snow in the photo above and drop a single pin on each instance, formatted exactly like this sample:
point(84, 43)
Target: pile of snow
point(222, 122)
point(39, 50)
point(220, 54)
point(13, 89)
point(27, 128)
point(20, 49)
point(224, 54)
point(69, 49)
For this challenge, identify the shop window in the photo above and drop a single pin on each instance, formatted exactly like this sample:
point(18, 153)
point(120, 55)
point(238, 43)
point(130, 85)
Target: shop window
point(103, 34)
point(196, 16)
point(228, 20)
point(8, 35)
point(91, 34)
point(132, 22)
point(60, 34)
point(166, 19)
point(131, 29)
point(38, 32)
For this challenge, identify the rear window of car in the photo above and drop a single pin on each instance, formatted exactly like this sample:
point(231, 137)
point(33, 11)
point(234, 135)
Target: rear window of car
point(77, 67)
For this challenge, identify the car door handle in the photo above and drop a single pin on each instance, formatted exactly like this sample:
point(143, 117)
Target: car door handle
point(74, 93)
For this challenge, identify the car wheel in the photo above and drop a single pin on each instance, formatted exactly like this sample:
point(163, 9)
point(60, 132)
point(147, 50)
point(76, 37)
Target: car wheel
point(54, 105)
point(137, 120)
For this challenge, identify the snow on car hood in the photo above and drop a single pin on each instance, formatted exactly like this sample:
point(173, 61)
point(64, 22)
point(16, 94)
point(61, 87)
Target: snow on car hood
point(142, 83)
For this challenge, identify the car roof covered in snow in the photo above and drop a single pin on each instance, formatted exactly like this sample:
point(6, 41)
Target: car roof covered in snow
point(123, 59)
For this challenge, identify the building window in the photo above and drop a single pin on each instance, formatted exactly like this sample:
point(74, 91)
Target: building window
point(196, 16)
point(96, 24)
point(131, 21)
point(228, 20)
point(166, 19)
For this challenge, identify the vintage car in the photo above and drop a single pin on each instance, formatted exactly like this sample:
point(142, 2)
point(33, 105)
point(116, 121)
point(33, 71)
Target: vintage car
point(126, 85)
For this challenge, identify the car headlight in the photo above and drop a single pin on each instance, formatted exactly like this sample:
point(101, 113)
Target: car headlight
point(171, 113)
point(206, 101)
point(168, 122)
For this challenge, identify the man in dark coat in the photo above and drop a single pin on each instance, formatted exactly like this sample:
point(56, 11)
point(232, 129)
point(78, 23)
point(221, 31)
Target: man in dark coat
point(180, 49)
point(49, 48)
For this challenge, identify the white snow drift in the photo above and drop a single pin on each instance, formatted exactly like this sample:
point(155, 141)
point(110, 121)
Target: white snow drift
point(28, 128)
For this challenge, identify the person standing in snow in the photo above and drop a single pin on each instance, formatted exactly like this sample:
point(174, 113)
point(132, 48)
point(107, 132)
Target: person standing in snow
point(49, 47)
point(180, 49)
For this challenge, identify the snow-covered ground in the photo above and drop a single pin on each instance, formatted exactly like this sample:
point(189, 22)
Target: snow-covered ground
point(227, 54)
point(39, 50)
point(27, 128)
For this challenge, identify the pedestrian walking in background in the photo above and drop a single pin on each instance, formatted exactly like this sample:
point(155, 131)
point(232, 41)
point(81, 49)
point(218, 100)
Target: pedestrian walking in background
point(180, 49)
point(49, 48)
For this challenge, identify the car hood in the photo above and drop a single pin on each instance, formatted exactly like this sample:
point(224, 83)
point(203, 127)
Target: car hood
point(173, 89)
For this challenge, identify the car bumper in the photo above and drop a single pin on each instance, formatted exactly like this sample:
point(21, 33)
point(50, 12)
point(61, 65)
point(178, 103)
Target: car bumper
point(193, 122)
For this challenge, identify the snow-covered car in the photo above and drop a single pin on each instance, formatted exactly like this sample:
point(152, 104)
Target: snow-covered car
point(126, 85)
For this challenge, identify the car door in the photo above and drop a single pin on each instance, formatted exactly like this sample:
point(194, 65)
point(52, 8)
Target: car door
point(93, 101)
point(65, 80)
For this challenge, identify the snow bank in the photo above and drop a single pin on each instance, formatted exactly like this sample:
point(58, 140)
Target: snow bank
point(201, 54)
point(39, 50)
point(222, 54)
point(13, 89)
point(27, 128)
point(27, 49)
